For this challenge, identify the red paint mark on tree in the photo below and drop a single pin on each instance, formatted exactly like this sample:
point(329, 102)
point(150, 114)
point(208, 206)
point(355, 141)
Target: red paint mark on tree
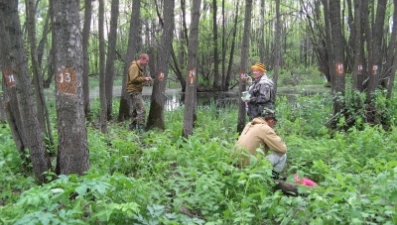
point(339, 68)
point(9, 78)
point(67, 81)
point(192, 76)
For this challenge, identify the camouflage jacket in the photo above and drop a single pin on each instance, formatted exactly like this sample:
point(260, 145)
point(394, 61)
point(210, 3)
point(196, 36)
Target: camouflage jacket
point(262, 95)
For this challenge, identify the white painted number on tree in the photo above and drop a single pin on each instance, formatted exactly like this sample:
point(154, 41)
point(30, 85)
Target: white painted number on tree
point(65, 77)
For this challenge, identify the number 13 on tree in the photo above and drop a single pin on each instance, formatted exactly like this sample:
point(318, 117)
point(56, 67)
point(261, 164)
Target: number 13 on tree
point(67, 81)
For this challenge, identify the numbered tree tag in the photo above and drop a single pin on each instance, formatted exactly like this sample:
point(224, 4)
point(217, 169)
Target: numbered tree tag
point(9, 78)
point(67, 81)
point(192, 76)
point(375, 69)
point(243, 77)
point(161, 76)
point(339, 69)
point(360, 69)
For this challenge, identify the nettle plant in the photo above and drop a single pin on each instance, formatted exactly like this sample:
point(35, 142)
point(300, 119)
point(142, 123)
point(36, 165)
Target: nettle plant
point(162, 178)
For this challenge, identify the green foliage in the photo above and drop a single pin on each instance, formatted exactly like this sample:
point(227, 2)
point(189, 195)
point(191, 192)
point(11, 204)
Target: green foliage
point(162, 178)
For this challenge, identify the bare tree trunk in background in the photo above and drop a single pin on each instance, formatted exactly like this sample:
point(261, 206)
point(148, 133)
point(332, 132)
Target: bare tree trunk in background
point(156, 112)
point(366, 28)
point(223, 47)
point(86, 67)
point(133, 49)
point(393, 56)
point(326, 44)
point(179, 63)
point(31, 27)
point(217, 79)
point(262, 30)
point(338, 86)
point(277, 44)
point(102, 94)
point(242, 114)
point(376, 42)
point(233, 43)
point(319, 35)
point(111, 56)
point(43, 41)
point(73, 154)
point(191, 78)
point(21, 108)
point(358, 43)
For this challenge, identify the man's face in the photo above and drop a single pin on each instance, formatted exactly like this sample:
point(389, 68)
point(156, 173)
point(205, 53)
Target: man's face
point(271, 123)
point(143, 61)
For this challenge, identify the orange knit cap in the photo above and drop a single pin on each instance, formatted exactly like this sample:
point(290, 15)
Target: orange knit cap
point(259, 66)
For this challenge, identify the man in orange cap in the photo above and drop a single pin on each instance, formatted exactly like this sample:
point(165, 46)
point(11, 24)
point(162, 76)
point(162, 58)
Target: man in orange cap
point(261, 92)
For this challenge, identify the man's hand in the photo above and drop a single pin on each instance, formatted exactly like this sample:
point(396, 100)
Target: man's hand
point(148, 78)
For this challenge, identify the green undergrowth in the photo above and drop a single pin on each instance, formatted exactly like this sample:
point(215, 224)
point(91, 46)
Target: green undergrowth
point(162, 178)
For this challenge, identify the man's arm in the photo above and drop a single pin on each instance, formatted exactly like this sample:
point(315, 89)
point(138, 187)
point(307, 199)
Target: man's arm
point(275, 142)
point(133, 73)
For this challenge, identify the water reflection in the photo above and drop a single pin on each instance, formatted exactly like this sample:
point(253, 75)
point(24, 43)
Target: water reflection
point(172, 102)
point(219, 99)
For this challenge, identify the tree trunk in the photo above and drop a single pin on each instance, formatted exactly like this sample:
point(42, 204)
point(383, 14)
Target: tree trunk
point(111, 56)
point(31, 27)
point(376, 59)
point(243, 65)
point(392, 55)
point(133, 44)
point(358, 43)
point(191, 78)
point(277, 43)
point(217, 79)
point(21, 112)
point(73, 155)
point(102, 94)
point(262, 30)
point(338, 86)
point(156, 112)
point(86, 67)
point(233, 43)
point(42, 111)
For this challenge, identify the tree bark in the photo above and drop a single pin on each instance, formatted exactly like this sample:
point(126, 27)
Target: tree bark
point(42, 111)
point(111, 56)
point(217, 80)
point(156, 112)
point(232, 48)
point(133, 49)
point(21, 108)
point(191, 78)
point(243, 65)
point(359, 66)
point(338, 86)
point(277, 44)
point(102, 94)
point(392, 56)
point(86, 67)
point(376, 41)
point(73, 155)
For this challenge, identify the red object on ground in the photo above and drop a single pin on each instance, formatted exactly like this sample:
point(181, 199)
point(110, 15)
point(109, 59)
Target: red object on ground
point(304, 181)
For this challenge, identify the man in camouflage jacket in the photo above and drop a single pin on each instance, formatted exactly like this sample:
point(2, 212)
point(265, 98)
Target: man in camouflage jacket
point(261, 92)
